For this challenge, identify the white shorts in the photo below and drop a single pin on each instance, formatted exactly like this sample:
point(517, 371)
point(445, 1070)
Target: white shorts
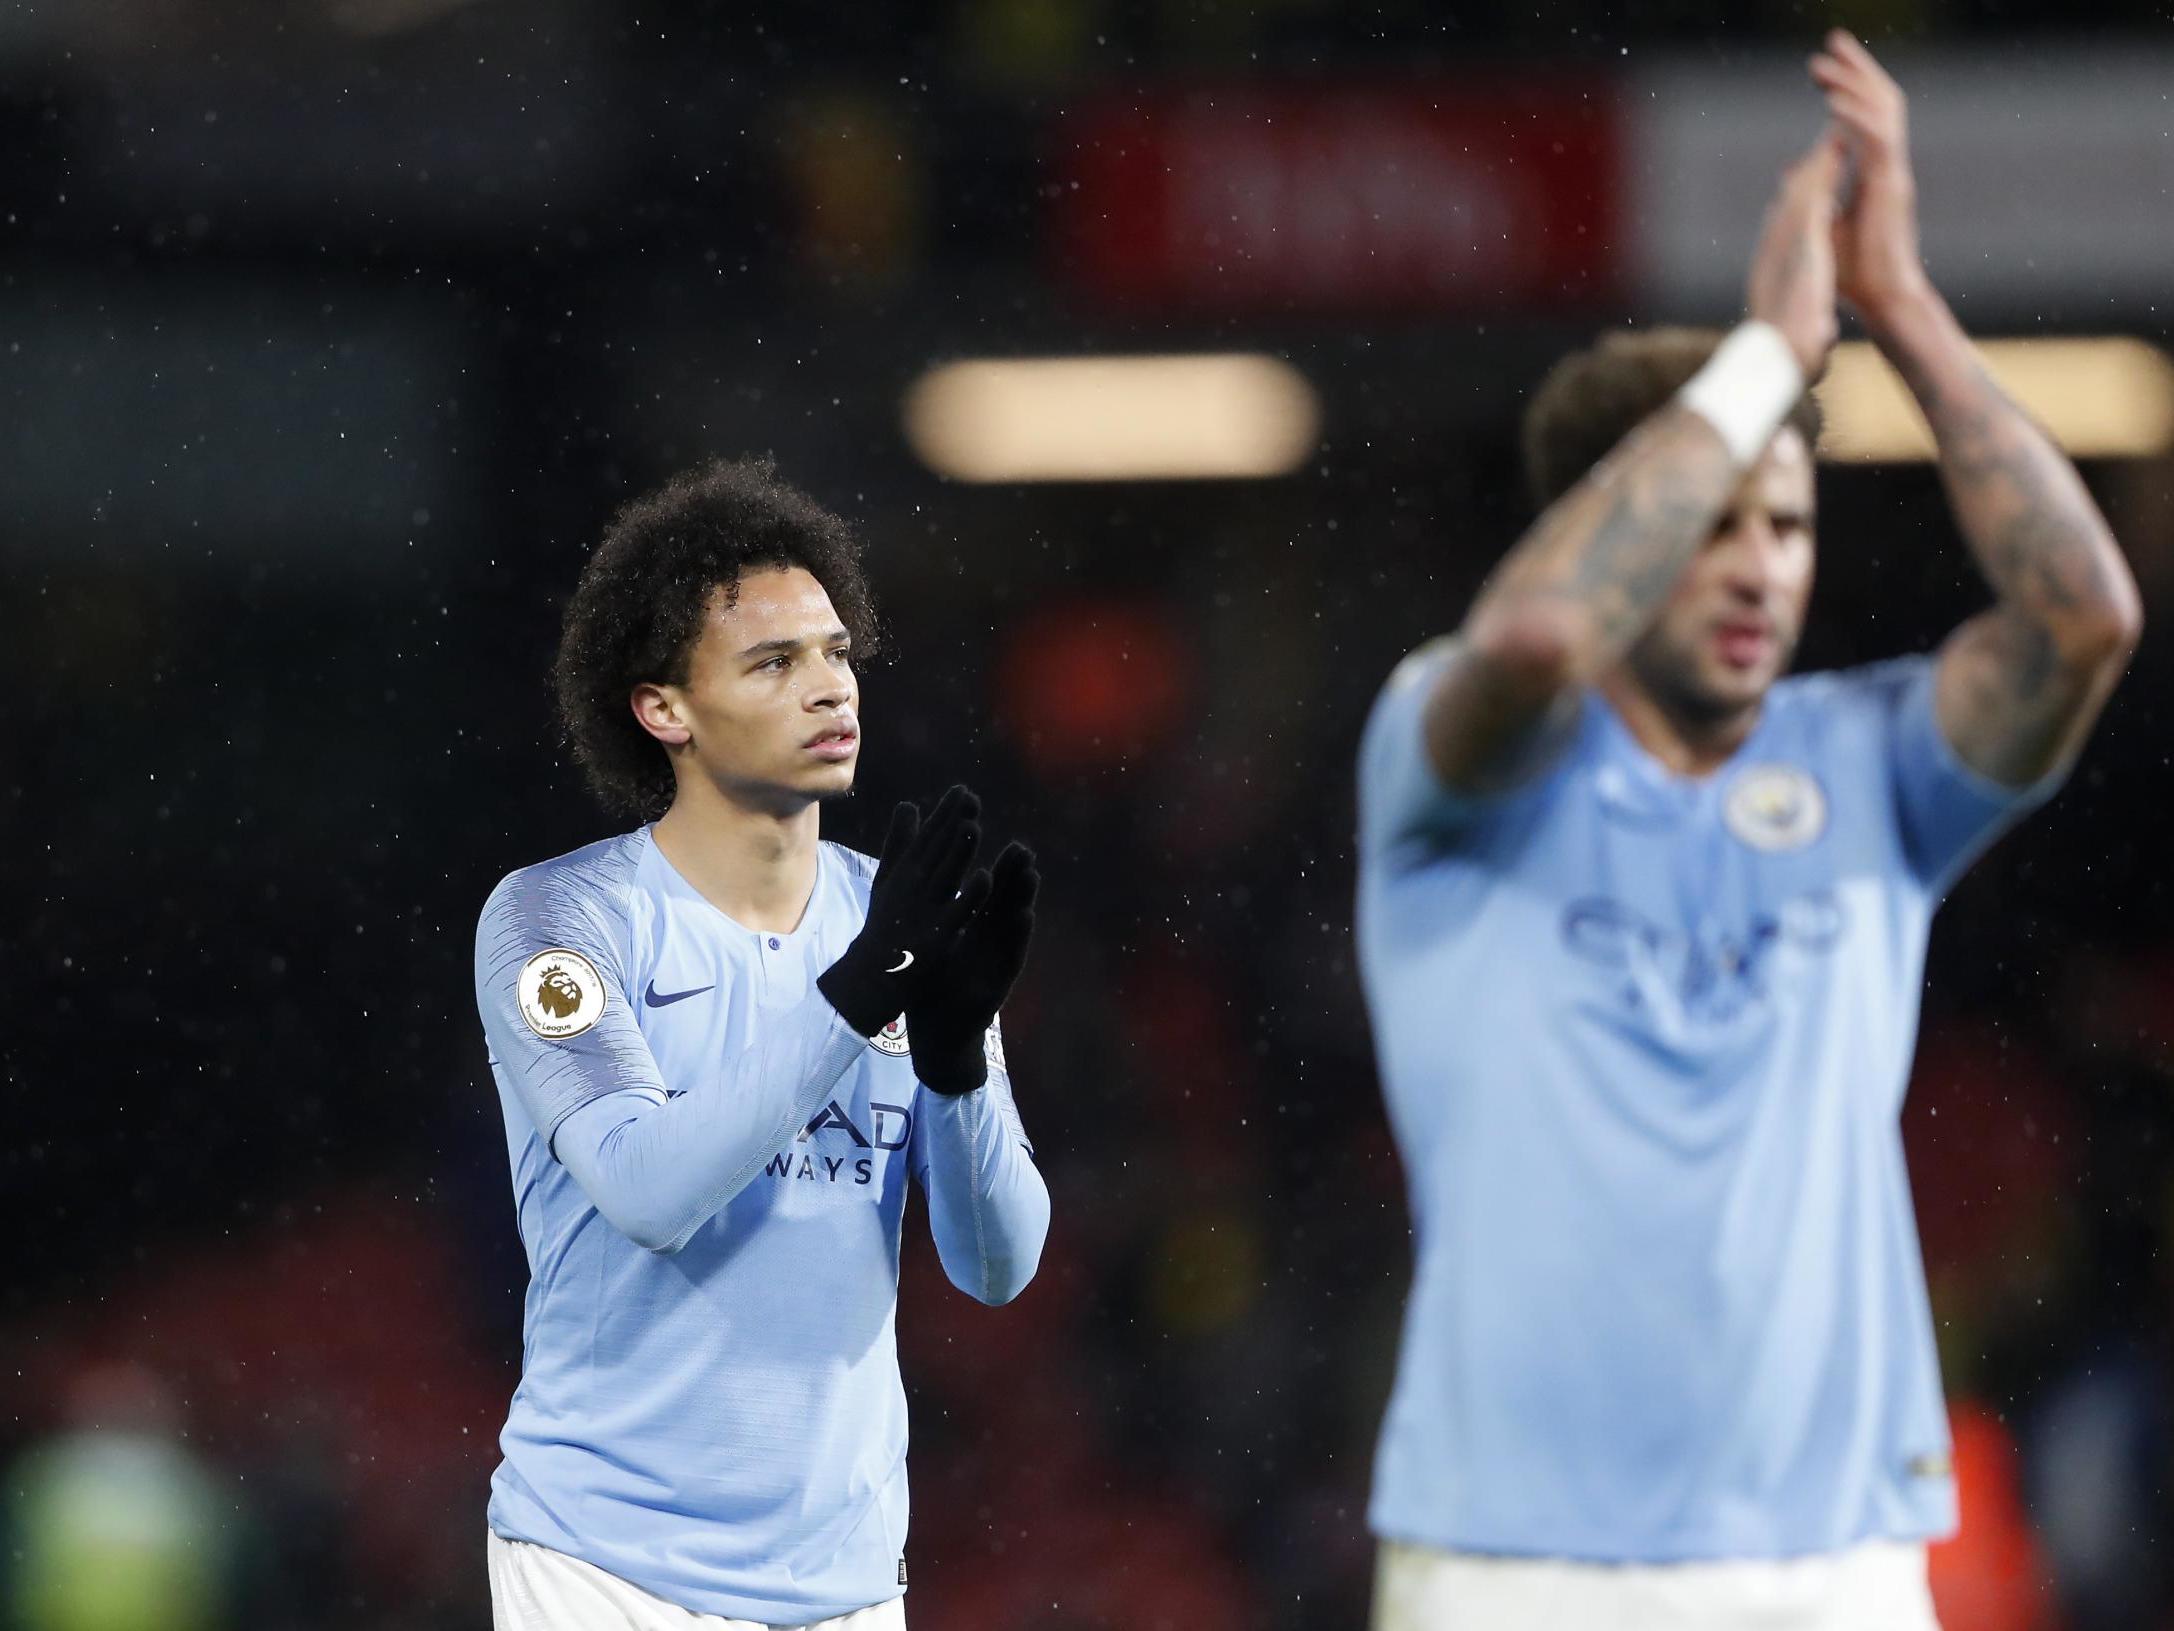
point(534, 1588)
point(1877, 1586)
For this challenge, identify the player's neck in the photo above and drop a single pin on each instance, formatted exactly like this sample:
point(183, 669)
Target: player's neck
point(757, 866)
point(1684, 742)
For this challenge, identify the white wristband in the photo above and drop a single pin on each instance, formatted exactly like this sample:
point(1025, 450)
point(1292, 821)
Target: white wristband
point(1746, 388)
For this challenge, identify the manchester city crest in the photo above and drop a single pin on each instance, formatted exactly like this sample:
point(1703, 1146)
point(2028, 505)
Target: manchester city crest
point(1775, 807)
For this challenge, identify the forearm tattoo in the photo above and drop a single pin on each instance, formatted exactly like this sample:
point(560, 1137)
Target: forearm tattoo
point(2024, 679)
point(1616, 544)
point(2038, 537)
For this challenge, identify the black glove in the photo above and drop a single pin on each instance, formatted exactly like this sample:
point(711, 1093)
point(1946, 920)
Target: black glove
point(970, 974)
point(914, 906)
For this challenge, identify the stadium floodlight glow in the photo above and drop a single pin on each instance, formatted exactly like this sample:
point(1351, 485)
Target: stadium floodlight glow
point(1146, 418)
point(2110, 397)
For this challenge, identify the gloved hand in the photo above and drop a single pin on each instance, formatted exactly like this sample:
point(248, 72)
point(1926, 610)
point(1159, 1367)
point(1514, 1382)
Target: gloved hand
point(914, 907)
point(970, 973)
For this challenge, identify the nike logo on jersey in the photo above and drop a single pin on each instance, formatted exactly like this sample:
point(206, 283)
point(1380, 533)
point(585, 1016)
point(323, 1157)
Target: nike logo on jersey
point(654, 998)
point(905, 961)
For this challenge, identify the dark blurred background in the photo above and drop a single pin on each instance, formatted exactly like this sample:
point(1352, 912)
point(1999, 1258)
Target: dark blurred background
point(331, 331)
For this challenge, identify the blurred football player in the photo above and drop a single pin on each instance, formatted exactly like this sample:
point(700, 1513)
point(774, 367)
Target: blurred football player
point(1643, 928)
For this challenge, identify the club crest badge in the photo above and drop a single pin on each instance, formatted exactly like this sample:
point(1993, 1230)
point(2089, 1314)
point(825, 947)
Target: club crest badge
point(892, 1039)
point(560, 993)
point(1775, 808)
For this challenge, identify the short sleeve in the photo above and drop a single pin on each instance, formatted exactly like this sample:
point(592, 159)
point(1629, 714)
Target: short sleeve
point(1401, 799)
point(551, 989)
point(1947, 812)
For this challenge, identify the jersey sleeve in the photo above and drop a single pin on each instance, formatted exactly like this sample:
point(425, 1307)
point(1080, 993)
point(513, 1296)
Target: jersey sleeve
point(1947, 813)
point(552, 991)
point(1401, 799)
point(998, 1089)
point(988, 1206)
point(1000, 1086)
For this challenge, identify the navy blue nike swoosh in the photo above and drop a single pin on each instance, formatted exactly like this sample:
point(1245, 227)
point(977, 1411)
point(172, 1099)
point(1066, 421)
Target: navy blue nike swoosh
point(664, 999)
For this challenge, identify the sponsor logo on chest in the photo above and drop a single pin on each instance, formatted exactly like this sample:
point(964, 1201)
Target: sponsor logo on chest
point(830, 1149)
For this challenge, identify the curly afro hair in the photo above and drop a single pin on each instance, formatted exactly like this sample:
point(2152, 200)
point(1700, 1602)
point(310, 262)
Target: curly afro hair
point(635, 614)
point(1594, 398)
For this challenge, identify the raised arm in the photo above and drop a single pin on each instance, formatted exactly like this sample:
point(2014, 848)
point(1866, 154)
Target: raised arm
point(1580, 587)
point(2018, 686)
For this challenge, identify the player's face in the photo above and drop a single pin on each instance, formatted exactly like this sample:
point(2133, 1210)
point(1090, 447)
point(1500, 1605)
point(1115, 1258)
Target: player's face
point(1731, 627)
point(770, 700)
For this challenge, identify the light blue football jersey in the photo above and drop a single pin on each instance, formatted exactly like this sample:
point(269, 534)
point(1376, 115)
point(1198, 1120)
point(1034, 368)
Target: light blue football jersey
point(710, 1404)
point(1644, 1041)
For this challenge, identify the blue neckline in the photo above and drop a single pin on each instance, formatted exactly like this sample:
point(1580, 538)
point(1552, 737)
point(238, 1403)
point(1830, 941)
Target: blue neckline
point(1674, 783)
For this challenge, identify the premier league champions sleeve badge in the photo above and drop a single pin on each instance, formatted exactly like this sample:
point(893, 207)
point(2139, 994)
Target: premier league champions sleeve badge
point(560, 994)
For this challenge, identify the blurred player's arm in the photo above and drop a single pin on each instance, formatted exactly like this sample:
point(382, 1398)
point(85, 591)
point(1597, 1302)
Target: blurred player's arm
point(2017, 687)
point(1580, 588)
point(1570, 599)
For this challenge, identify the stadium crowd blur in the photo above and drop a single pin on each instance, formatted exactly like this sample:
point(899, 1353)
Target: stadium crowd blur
point(333, 330)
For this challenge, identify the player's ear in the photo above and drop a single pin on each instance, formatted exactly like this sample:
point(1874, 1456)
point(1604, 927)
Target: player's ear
point(657, 710)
